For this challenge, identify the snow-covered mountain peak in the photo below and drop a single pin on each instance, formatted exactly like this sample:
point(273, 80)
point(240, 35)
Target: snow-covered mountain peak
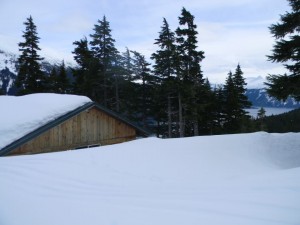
point(8, 60)
point(9, 64)
point(255, 82)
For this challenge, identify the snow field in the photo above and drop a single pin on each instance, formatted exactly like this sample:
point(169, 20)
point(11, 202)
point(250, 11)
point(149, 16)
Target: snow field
point(248, 179)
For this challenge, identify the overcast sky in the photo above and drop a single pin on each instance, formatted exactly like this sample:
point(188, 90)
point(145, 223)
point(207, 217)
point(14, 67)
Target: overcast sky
point(230, 31)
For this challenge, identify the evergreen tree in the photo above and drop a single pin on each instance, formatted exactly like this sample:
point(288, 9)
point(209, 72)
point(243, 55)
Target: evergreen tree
point(120, 79)
point(218, 110)
point(52, 81)
point(144, 89)
point(165, 69)
point(231, 105)
point(189, 71)
point(127, 65)
point(286, 50)
point(2, 91)
point(31, 78)
point(83, 57)
point(261, 113)
point(190, 57)
point(82, 54)
point(63, 83)
point(88, 74)
point(164, 58)
point(205, 108)
point(240, 85)
point(235, 102)
point(126, 86)
point(104, 50)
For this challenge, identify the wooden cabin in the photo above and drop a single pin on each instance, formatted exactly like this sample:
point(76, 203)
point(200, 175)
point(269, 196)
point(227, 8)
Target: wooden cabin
point(86, 126)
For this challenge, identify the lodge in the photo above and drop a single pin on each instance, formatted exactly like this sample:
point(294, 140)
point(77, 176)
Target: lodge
point(85, 126)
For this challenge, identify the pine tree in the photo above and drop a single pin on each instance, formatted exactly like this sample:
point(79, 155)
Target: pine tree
point(261, 120)
point(165, 69)
point(240, 85)
point(126, 86)
point(164, 58)
point(104, 50)
point(81, 56)
point(120, 79)
point(63, 83)
point(82, 53)
point(235, 102)
point(2, 91)
point(231, 105)
point(286, 50)
point(189, 71)
point(243, 102)
point(89, 74)
point(218, 110)
point(187, 46)
point(205, 108)
point(31, 78)
point(144, 90)
point(126, 63)
point(52, 81)
point(261, 113)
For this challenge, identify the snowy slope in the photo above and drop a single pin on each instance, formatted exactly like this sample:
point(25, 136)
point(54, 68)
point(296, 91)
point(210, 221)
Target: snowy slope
point(23, 114)
point(246, 179)
point(8, 60)
point(8, 70)
point(260, 98)
point(255, 82)
point(9, 64)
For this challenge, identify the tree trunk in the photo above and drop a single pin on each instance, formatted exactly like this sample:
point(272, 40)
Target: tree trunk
point(117, 94)
point(195, 118)
point(181, 123)
point(169, 117)
point(105, 90)
point(196, 128)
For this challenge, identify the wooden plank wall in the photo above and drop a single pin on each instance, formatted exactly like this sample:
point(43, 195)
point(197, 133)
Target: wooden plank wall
point(91, 127)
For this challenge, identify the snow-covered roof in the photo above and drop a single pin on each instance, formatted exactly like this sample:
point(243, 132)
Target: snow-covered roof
point(23, 114)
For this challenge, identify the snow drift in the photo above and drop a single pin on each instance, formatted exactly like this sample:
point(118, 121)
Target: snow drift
point(228, 179)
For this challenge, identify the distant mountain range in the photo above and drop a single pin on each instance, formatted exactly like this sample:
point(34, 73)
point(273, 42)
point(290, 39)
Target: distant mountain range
point(256, 92)
point(260, 98)
point(8, 70)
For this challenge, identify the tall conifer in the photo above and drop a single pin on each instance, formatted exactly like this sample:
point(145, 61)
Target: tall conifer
point(144, 89)
point(126, 63)
point(231, 105)
point(235, 102)
point(104, 50)
point(63, 82)
point(165, 68)
point(88, 73)
point(240, 85)
point(31, 78)
point(189, 72)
